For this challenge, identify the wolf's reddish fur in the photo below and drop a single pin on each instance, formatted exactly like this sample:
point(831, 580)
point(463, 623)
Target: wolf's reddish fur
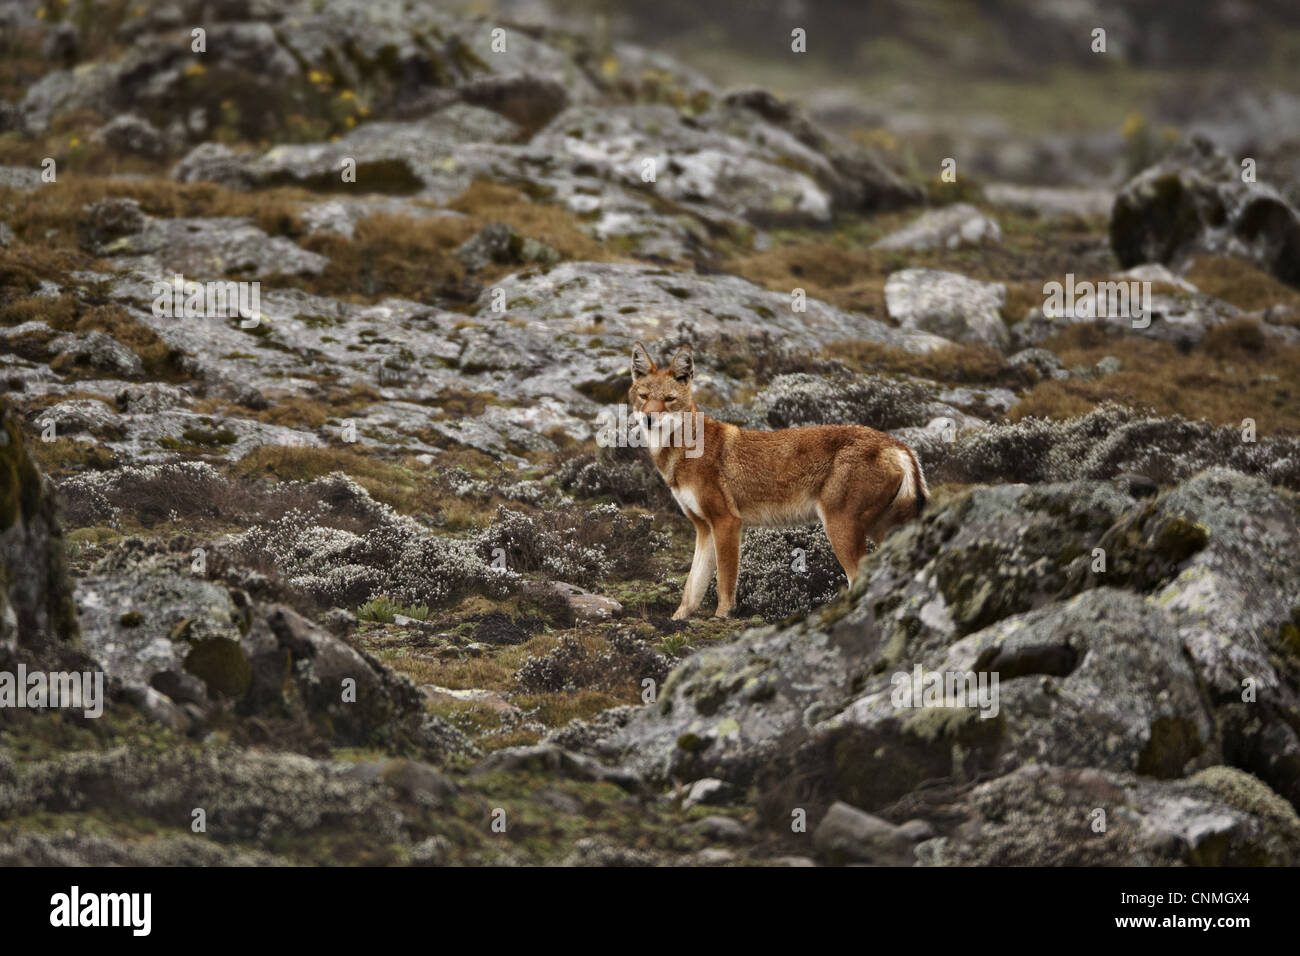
point(860, 483)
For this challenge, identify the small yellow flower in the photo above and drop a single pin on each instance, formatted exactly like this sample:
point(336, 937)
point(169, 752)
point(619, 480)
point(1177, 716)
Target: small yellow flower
point(74, 142)
point(195, 69)
point(347, 95)
point(316, 76)
point(363, 111)
point(350, 122)
point(40, 13)
point(1134, 123)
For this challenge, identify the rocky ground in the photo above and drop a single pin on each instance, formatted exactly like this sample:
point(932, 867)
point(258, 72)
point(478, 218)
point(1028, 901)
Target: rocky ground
point(390, 482)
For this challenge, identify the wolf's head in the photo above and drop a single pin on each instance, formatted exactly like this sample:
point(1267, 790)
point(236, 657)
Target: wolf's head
point(660, 391)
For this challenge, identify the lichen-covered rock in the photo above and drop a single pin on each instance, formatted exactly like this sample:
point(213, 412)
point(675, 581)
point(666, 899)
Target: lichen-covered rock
point(656, 303)
point(948, 304)
point(132, 134)
point(1113, 677)
point(204, 249)
point(1105, 443)
point(1181, 320)
point(497, 242)
point(876, 401)
point(99, 351)
point(1043, 815)
point(37, 613)
point(727, 711)
point(349, 696)
point(145, 622)
point(1194, 201)
point(18, 177)
point(952, 227)
point(246, 795)
point(1098, 681)
point(856, 177)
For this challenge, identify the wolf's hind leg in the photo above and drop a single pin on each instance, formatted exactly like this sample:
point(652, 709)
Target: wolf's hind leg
point(726, 545)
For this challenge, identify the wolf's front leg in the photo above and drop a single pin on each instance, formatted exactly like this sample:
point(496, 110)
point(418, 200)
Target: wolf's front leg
point(702, 565)
point(726, 546)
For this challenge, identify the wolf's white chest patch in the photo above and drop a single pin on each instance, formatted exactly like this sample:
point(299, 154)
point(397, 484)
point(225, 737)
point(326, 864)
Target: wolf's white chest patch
point(690, 504)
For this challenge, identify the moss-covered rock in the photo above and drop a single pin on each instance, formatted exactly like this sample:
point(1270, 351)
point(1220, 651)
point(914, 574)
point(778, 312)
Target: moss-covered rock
point(36, 607)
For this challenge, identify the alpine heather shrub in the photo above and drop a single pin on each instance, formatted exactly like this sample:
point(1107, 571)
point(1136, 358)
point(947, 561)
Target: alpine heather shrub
point(579, 545)
point(151, 493)
point(194, 489)
point(530, 491)
point(388, 553)
point(784, 571)
point(1108, 441)
point(626, 661)
point(877, 401)
point(624, 475)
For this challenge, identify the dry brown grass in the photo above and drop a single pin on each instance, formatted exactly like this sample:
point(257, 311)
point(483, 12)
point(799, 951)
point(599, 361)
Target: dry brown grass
point(963, 364)
point(1236, 373)
point(49, 215)
point(391, 256)
point(850, 279)
point(408, 486)
point(385, 482)
point(66, 455)
point(69, 141)
point(298, 410)
point(461, 403)
point(22, 267)
point(485, 201)
point(388, 255)
point(71, 313)
point(843, 270)
point(1240, 283)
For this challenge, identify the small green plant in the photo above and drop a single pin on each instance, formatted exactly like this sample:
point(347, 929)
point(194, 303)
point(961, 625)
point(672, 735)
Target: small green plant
point(380, 609)
point(672, 645)
point(385, 610)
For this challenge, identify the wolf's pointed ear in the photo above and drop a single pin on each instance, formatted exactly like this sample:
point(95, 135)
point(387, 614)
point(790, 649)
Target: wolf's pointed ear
point(683, 365)
point(641, 363)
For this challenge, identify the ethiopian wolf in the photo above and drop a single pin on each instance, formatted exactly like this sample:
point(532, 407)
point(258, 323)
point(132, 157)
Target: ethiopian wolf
point(860, 483)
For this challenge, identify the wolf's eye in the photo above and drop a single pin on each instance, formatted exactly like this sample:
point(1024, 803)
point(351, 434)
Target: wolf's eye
point(642, 396)
point(671, 400)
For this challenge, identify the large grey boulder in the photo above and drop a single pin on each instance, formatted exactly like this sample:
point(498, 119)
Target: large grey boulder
point(1044, 815)
point(957, 226)
point(1126, 637)
point(948, 304)
point(1195, 202)
point(656, 303)
point(37, 614)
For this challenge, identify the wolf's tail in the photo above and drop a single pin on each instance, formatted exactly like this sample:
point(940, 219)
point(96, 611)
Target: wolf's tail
point(913, 493)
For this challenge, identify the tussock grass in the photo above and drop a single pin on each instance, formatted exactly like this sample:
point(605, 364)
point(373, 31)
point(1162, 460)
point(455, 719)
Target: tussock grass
point(73, 313)
point(1240, 283)
point(486, 201)
point(961, 364)
point(49, 216)
point(1235, 373)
